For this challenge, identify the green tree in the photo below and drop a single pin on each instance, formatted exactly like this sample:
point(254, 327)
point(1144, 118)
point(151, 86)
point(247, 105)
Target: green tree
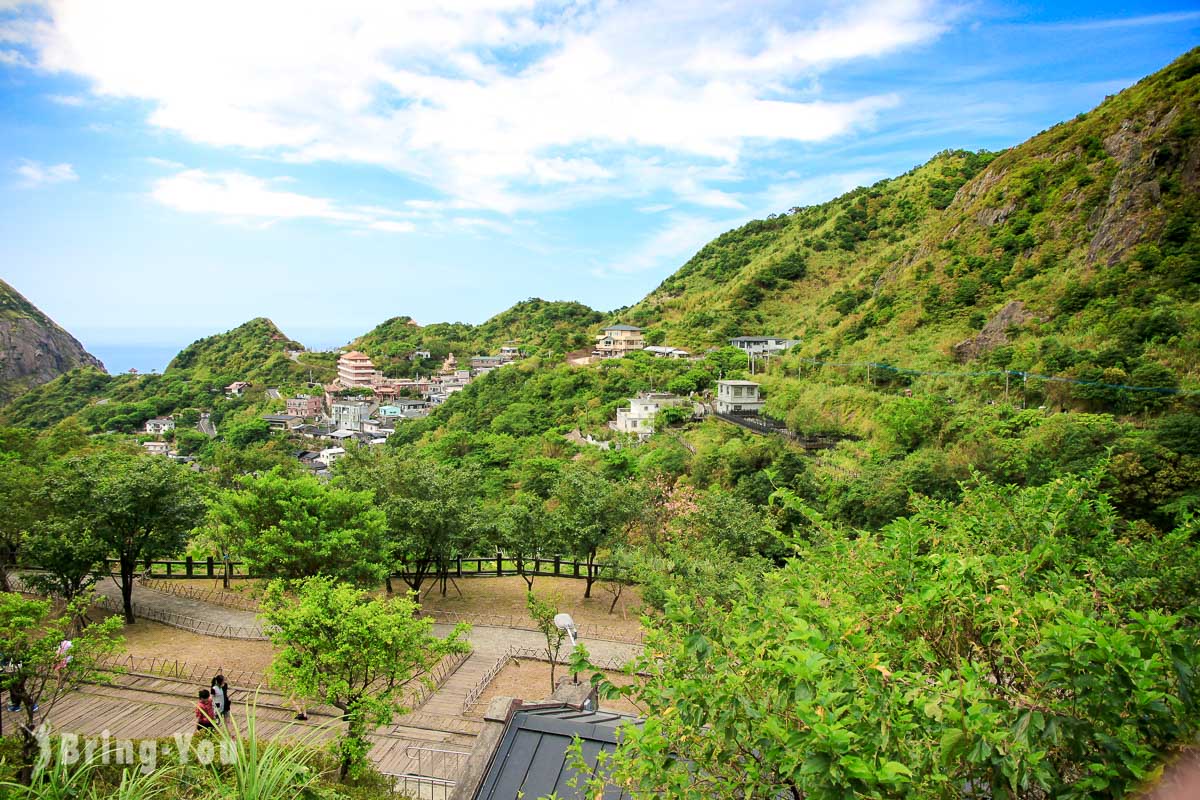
point(18, 486)
point(138, 507)
point(521, 531)
point(974, 647)
point(591, 513)
point(338, 645)
point(432, 509)
point(296, 527)
point(69, 555)
point(543, 613)
point(40, 670)
point(241, 434)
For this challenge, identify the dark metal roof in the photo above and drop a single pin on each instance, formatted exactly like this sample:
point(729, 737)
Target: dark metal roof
point(532, 761)
point(622, 328)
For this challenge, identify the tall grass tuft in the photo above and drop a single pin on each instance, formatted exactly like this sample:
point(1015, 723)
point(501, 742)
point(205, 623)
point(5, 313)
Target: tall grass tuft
point(265, 770)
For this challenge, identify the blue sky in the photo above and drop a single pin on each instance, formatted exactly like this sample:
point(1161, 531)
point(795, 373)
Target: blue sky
point(170, 170)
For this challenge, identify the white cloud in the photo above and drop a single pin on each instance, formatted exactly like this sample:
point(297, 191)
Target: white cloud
point(34, 174)
point(246, 198)
point(67, 99)
point(14, 58)
point(503, 105)
point(674, 243)
point(683, 234)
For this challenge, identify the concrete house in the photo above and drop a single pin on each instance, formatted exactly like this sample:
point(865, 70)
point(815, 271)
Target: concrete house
point(159, 425)
point(739, 397)
point(303, 405)
point(350, 414)
point(486, 363)
point(283, 422)
point(356, 369)
point(157, 448)
point(618, 340)
point(236, 388)
point(638, 419)
point(330, 454)
point(762, 345)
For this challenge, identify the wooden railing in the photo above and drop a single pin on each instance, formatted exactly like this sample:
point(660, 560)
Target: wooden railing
point(186, 623)
point(184, 670)
point(213, 596)
point(490, 566)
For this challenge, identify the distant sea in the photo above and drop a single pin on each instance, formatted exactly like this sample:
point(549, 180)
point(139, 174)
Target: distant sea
point(120, 358)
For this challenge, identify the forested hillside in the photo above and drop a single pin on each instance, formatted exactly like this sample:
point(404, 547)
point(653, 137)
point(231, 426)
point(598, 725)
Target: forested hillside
point(256, 352)
point(536, 326)
point(1081, 245)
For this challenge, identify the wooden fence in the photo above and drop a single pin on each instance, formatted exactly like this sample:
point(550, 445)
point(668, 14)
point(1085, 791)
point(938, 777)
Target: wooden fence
point(192, 624)
point(183, 670)
point(499, 565)
point(213, 596)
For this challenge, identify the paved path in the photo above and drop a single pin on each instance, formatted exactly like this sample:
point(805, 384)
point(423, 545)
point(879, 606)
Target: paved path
point(165, 605)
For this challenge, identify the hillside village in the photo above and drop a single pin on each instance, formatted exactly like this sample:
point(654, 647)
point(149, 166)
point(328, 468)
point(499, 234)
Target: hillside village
point(363, 406)
point(892, 496)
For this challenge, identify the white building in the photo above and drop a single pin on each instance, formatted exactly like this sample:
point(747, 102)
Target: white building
point(638, 419)
point(762, 345)
point(739, 397)
point(157, 448)
point(159, 425)
point(330, 455)
point(350, 414)
point(662, 351)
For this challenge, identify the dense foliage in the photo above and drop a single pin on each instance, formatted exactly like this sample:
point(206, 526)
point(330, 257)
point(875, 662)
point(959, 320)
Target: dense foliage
point(1017, 644)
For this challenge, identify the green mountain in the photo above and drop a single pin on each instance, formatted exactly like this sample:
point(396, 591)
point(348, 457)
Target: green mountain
point(534, 325)
point(1076, 253)
point(33, 348)
point(257, 352)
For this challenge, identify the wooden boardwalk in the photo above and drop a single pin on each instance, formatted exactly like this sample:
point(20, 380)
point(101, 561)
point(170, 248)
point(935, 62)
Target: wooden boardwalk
point(150, 707)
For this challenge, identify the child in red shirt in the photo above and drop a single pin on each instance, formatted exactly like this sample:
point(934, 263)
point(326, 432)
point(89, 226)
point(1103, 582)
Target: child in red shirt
point(204, 711)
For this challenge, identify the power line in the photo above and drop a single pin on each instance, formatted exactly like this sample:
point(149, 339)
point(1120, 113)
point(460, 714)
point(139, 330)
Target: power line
point(1023, 375)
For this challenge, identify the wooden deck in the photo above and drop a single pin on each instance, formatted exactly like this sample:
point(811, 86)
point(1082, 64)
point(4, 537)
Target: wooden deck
point(150, 707)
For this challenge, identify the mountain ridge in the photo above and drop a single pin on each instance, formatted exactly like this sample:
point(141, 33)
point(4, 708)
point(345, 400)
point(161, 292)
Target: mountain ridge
point(34, 349)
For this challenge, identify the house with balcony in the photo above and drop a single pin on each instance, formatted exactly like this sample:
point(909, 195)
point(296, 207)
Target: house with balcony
point(160, 425)
point(638, 419)
point(304, 405)
point(350, 413)
point(618, 340)
point(739, 397)
point(356, 369)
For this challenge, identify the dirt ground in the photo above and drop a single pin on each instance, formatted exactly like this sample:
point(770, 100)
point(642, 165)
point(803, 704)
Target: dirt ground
point(502, 596)
point(506, 596)
point(154, 640)
point(530, 680)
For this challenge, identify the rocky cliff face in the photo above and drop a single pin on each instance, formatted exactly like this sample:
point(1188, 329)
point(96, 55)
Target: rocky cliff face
point(33, 349)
